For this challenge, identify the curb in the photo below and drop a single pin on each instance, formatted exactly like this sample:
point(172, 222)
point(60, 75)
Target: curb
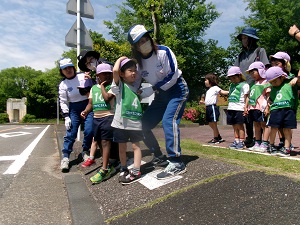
point(83, 207)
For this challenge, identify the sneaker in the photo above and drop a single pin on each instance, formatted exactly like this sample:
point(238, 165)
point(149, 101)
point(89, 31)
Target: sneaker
point(292, 148)
point(255, 147)
point(85, 155)
point(284, 152)
point(273, 150)
point(215, 141)
point(123, 173)
point(220, 140)
point(240, 145)
point(130, 178)
point(102, 175)
point(171, 170)
point(233, 145)
point(159, 161)
point(280, 145)
point(264, 147)
point(88, 163)
point(64, 166)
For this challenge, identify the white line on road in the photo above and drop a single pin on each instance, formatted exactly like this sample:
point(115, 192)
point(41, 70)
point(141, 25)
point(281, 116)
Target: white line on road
point(10, 157)
point(15, 167)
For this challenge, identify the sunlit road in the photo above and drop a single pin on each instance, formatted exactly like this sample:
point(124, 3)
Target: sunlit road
point(30, 181)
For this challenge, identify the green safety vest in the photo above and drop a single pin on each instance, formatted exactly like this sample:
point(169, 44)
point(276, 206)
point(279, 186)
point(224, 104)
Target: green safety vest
point(131, 105)
point(98, 101)
point(256, 91)
point(282, 96)
point(235, 92)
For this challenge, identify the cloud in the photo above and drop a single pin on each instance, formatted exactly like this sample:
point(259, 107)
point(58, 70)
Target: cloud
point(33, 32)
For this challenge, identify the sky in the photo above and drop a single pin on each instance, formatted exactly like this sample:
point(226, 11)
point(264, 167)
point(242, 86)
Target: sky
point(33, 31)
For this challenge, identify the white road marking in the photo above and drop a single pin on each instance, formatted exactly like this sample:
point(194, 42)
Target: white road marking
point(13, 134)
point(15, 167)
point(6, 158)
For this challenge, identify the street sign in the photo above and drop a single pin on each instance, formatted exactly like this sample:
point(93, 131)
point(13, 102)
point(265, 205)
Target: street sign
point(86, 8)
point(85, 39)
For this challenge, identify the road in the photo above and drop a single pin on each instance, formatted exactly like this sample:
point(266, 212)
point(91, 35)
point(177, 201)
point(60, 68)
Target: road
point(32, 190)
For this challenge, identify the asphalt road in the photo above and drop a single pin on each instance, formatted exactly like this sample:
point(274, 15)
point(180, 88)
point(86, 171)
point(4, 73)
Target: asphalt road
point(211, 192)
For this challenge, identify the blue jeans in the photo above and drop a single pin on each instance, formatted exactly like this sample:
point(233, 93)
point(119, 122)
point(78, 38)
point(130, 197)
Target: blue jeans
point(167, 106)
point(75, 108)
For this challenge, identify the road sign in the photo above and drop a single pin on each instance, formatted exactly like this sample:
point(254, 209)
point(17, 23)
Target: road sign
point(86, 8)
point(85, 39)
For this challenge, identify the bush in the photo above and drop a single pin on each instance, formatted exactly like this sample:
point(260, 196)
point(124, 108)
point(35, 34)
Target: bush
point(4, 118)
point(194, 112)
point(28, 118)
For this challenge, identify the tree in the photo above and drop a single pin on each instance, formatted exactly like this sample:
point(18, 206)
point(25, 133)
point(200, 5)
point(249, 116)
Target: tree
point(273, 19)
point(182, 25)
point(42, 94)
point(15, 83)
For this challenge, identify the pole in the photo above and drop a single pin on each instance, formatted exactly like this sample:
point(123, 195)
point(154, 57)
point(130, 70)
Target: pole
point(78, 51)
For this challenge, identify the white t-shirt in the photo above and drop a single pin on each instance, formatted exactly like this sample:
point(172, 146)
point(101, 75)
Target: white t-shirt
point(239, 106)
point(211, 96)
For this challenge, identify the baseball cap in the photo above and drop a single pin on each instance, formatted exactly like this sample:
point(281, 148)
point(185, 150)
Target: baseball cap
point(85, 83)
point(82, 59)
point(274, 72)
point(248, 31)
point(136, 32)
point(125, 61)
point(103, 67)
point(65, 62)
point(259, 66)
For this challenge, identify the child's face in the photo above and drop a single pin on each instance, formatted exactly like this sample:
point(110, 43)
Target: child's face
point(106, 76)
point(129, 75)
point(235, 79)
point(206, 82)
point(277, 81)
point(254, 74)
point(275, 62)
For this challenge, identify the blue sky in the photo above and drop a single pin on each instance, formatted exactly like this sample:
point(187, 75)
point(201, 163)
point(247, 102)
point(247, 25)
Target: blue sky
point(33, 31)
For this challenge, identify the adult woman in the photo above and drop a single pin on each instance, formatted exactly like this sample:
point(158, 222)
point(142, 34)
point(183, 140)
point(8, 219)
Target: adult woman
point(72, 103)
point(158, 65)
point(249, 54)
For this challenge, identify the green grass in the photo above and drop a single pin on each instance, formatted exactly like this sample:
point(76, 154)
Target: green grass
point(243, 158)
point(249, 160)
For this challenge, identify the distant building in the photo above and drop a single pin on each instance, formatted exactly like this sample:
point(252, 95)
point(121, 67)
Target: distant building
point(16, 109)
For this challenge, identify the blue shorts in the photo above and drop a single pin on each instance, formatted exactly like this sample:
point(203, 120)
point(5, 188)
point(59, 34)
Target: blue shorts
point(235, 117)
point(123, 136)
point(212, 113)
point(102, 128)
point(283, 118)
point(257, 116)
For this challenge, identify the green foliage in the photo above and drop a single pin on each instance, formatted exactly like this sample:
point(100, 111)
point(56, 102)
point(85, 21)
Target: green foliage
point(4, 118)
point(182, 25)
point(15, 83)
point(32, 119)
point(273, 20)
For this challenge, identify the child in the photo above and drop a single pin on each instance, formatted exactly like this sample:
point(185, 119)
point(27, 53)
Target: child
point(282, 59)
point(257, 102)
point(282, 102)
point(101, 101)
point(127, 119)
point(239, 90)
point(212, 110)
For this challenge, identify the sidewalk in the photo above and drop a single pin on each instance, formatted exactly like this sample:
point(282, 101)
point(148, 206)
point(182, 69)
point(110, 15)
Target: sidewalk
point(211, 192)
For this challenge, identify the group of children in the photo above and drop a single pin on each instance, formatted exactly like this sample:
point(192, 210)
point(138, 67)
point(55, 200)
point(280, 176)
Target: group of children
point(270, 102)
